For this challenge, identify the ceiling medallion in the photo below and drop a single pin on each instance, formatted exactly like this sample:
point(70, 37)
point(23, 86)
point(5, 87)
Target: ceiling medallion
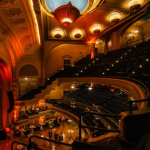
point(66, 14)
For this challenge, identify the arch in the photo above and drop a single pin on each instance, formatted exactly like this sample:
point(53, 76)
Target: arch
point(126, 26)
point(28, 60)
point(28, 70)
point(54, 59)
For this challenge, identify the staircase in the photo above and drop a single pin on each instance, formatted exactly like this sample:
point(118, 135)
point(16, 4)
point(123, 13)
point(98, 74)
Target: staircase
point(46, 92)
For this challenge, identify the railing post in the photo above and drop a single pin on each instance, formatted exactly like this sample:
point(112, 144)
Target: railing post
point(130, 107)
point(80, 127)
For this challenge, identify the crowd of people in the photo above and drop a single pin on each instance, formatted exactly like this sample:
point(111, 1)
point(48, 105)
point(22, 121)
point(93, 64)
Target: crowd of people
point(57, 121)
point(56, 135)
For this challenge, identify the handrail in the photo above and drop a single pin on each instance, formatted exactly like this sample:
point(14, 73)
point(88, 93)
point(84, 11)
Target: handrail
point(137, 101)
point(63, 66)
point(32, 145)
point(50, 140)
point(100, 114)
point(134, 41)
point(131, 79)
point(130, 42)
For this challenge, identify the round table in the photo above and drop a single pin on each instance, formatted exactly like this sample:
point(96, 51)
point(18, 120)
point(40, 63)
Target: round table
point(32, 127)
point(19, 146)
point(41, 125)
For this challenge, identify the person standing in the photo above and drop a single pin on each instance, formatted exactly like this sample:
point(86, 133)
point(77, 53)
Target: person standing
point(56, 135)
point(61, 136)
point(50, 133)
point(63, 122)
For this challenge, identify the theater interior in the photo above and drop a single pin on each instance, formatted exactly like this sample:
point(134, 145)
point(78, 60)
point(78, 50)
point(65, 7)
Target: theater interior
point(74, 74)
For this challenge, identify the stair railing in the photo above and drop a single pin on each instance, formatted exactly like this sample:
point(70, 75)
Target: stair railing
point(63, 66)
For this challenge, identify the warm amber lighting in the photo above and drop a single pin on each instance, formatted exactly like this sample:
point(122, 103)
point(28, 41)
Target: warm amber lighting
point(115, 17)
point(77, 33)
point(96, 28)
point(66, 20)
point(57, 33)
point(134, 2)
point(35, 21)
point(66, 14)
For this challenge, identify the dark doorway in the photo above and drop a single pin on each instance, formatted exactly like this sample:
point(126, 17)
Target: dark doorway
point(66, 63)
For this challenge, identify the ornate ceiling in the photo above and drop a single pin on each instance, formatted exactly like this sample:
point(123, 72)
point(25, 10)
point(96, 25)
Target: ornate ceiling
point(18, 24)
point(98, 17)
point(22, 22)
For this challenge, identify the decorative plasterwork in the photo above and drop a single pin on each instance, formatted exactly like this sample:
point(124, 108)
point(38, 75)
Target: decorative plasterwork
point(12, 11)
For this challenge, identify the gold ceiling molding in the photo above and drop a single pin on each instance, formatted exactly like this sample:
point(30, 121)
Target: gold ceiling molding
point(92, 4)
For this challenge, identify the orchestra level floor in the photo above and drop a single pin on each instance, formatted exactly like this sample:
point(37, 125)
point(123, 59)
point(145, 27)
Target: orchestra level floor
point(6, 144)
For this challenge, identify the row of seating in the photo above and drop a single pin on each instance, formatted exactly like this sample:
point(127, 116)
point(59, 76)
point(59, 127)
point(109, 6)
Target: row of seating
point(128, 62)
point(105, 97)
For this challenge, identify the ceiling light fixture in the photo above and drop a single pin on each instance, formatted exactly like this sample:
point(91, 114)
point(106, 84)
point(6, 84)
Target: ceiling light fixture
point(115, 17)
point(66, 14)
point(96, 29)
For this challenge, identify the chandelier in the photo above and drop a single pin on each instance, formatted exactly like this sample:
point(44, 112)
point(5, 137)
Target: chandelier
point(66, 14)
